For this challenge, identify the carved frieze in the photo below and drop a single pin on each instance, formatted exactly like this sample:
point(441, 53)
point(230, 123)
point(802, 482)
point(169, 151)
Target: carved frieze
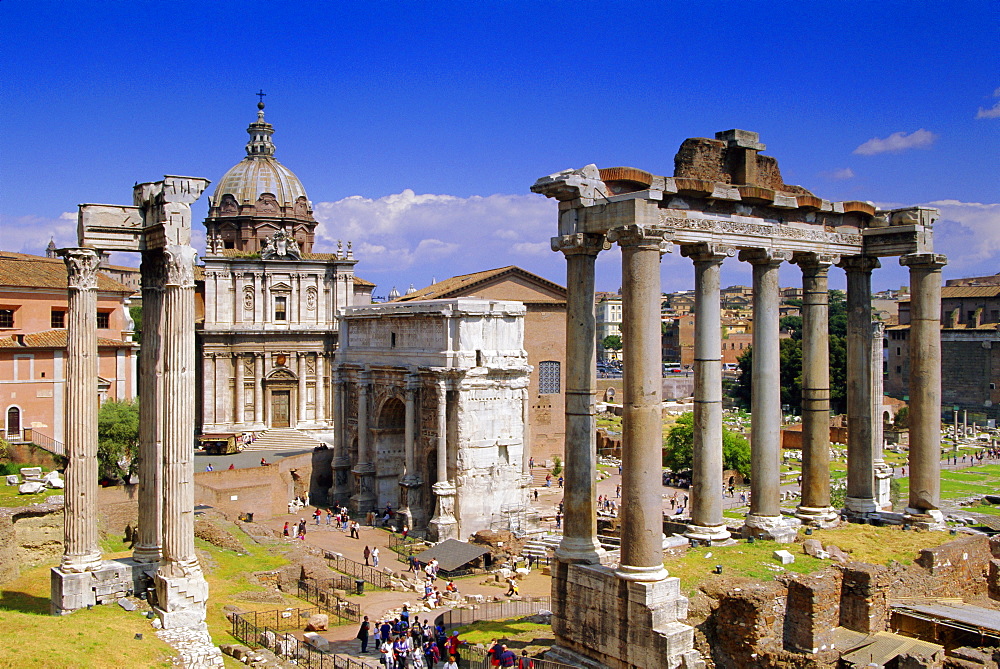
point(762, 229)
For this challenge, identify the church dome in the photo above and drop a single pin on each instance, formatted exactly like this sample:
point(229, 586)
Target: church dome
point(259, 173)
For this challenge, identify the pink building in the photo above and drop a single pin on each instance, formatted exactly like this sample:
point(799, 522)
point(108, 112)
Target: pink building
point(33, 303)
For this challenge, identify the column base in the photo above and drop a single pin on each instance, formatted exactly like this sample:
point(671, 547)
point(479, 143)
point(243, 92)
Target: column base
point(181, 595)
point(925, 519)
point(579, 550)
point(112, 580)
point(859, 506)
point(653, 574)
point(147, 554)
point(716, 535)
point(822, 517)
point(771, 528)
point(444, 525)
point(78, 564)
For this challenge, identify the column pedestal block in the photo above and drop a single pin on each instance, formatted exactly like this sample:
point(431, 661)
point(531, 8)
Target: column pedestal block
point(928, 519)
point(883, 480)
point(860, 507)
point(181, 595)
point(629, 623)
point(364, 500)
point(408, 489)
point(444, 525)
point(112, 580)
point(771, 528)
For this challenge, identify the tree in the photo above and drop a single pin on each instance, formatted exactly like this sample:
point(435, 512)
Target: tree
point(612, 342)
point(117, 439)
point(135, 313)
point(678, 447)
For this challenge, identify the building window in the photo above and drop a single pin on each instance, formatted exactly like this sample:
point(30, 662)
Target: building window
point(899, 370)
point(103, 320)
point(6, 318)
point(281, 308)
point(58, 319)
point(548, 377)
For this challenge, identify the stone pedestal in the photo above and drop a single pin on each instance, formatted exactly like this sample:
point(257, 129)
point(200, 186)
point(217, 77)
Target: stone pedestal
point(112, 580)
point(771, 528)
point(444, 525)
point(603, 621)
point(883, 481)
point(409, 490)
point(364, 499)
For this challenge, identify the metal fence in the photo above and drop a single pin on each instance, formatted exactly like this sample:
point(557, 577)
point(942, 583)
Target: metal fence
point(405, 547)
point(476, 658)
point(511, 608)
point(269, 629)
point(348, 566)
point(321, 593)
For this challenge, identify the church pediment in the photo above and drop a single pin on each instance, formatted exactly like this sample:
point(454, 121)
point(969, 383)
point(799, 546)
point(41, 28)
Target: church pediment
point(282, 286)
point(281, 375)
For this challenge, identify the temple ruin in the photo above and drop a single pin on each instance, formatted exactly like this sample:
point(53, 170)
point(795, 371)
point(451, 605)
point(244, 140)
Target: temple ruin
point(724, 200)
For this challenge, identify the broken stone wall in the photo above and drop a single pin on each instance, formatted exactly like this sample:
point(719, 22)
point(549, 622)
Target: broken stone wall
point(29, 536)
point(812, 611)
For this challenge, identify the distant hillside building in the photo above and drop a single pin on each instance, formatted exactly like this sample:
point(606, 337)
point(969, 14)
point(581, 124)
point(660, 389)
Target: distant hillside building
point(544, 341)
point(270, 325)
point(33, 306)
point(970, 350)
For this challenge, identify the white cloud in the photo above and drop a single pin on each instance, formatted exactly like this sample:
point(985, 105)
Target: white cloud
point(992, 112)
point(968, 233)
point(408, 237)
point(896, 142)
point(31, 234)
point(842, 174)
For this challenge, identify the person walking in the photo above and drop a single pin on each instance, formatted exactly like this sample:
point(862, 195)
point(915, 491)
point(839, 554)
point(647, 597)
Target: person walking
point(284, 531)
point(375, 556)
point(367, 554)
point(363, 634)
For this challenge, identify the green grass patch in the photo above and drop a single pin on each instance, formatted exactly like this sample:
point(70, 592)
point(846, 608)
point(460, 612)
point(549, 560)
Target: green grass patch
point(485, 631)
point(9, 496)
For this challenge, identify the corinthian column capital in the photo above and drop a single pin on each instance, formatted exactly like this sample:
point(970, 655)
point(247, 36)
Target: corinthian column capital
point(580, 243)
point(82, 265)
point(180, 265)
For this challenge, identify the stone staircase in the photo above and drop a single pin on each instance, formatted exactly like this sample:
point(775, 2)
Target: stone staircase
point(283, 439)
point(541, 546)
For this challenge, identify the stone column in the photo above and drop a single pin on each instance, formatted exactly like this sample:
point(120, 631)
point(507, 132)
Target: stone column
point(208, 401)
point(443, 525)
point(642, 429)
point(181, 589)
point(860, 447)
point(883, 472)
point(814, 506)
point(341, 455)
point(148, 546)
point(302, 391)
point(364, 499)
point(239, 388)
point(579, 542)
point(925, 386)
point(707, 523)
point(764, 519)
point(410, 480)
point(81, 552)
point(320, 400)
point(258, 388)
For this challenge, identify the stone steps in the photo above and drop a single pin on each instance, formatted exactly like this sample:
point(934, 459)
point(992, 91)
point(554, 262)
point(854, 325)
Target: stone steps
point(283, 439)
point(542, 546)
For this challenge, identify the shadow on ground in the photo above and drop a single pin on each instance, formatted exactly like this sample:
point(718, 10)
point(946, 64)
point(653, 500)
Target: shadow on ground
point(23, 602)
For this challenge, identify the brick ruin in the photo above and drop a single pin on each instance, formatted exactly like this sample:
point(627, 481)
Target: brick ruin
point(804, 620)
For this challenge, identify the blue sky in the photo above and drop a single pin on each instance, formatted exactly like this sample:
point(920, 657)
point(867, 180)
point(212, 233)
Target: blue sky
point(417, 128)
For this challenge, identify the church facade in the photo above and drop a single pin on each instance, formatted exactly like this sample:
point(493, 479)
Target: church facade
point(269, 331)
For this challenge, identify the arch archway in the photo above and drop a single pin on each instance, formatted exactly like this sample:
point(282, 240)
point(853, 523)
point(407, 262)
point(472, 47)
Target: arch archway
point(13, 422)
point(389, 437)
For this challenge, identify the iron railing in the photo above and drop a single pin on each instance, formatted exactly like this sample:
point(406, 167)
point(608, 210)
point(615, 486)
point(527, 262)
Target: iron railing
point(321, 593)
point(269, 629)
point(348, 566)
point(511, 608)
point(477, 658)
point(43, 441)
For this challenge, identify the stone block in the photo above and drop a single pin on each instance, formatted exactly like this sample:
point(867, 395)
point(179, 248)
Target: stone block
point(30, 488)
point(12, 479)
point(317, 642)
point(31, 472)
point(784, 557)
point(127, 604)
point(864, 606)
point(993, 579)
point(317, 622)
point(812, 611)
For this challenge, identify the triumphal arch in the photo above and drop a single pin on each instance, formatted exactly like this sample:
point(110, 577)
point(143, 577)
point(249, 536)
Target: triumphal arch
point(724, 200)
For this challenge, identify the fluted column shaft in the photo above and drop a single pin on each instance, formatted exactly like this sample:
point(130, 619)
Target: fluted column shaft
point(815, 499)
point(258, 387)
point(925, 380)
point(641, 505)
point(320, 400)
point(579, 543)
point(442, 430)
point(363, 389)
point(239, 411)
point(765, 409)
point(80, 549)
point(302, 390)
point(860, 447)
point(148, 547)
point(706, 480)
point(409, 427)
point(178, 409)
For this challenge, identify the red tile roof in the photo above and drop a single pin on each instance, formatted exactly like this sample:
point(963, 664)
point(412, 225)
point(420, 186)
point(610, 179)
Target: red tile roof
point(22, 270)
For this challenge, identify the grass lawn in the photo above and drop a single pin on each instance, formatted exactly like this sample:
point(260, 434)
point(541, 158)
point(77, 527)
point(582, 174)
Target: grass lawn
point(10, 497)
point(965, 482)
point(878, 545)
